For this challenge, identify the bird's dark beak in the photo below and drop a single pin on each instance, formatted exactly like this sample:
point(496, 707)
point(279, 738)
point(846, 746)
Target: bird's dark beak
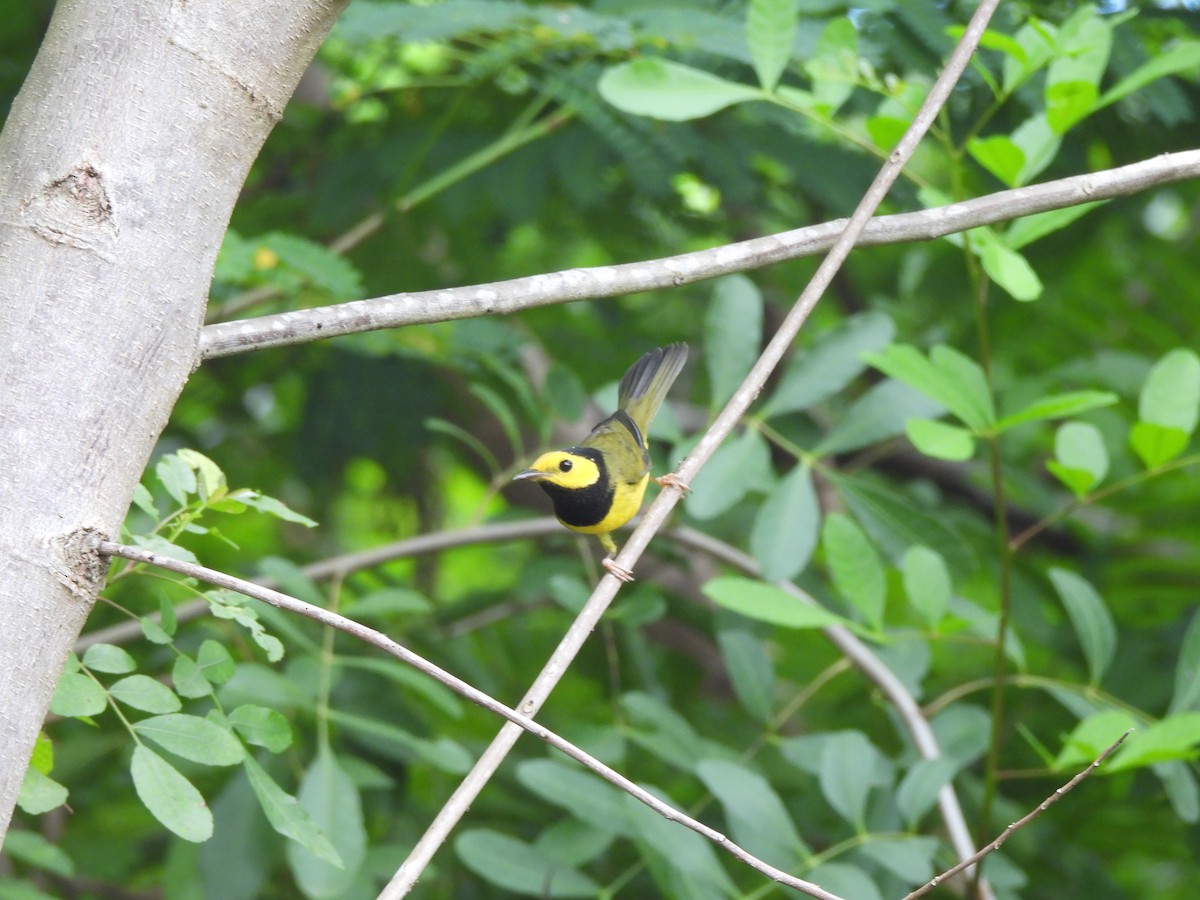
point(528, 473)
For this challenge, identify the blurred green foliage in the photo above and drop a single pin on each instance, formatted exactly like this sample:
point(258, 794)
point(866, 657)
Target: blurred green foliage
point(468, 142)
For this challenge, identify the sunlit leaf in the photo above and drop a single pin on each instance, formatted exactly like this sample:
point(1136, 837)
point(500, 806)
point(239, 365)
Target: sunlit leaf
point(771, 33)
point(767, 603)
point(669, 90)
point(940, 439)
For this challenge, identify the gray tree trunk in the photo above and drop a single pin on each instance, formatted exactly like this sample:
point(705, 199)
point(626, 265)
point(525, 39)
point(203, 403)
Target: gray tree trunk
point(119, 167)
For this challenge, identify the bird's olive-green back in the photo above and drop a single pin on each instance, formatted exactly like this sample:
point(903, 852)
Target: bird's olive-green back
point(621, 437)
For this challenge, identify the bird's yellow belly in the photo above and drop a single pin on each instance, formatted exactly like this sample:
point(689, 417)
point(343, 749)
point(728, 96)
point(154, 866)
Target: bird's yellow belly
point(627, 500)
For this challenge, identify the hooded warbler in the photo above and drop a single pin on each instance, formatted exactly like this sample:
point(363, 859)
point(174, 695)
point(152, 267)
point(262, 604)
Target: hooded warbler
point(598, 486)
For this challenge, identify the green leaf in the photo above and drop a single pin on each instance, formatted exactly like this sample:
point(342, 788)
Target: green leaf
point(1180, 57)
point(693, 868)
point(1175, 737)
point(834, 360)
point(785, 529)
point(834, 66)
point(514, 865)
point(670, 91)
point(108, 658)
point(1171, 395)
point(210, 480)
point(736, 467)
point(145, 693)
point(1005, 266)
point(918, 790)
point(1090, 618)
point(940, 440)
point(189, 681)
point(333, 804)
point(1081, 459)
point(1092, 735)
point(908, 858)
point(927, 583)
point(215, 663)
point(411, 682)
point(767, 603)
point(999, 155)
point(750, 669)
point(78, 695)
point(193, 738)
point(844, 880)
point(177, 477)
point(272, 507)
point(1040, 144)
point(40, 793)
point(582, 795)
point(1156, 444)
point(880, 413)
point(315, 264)
point(756, 815)
point(442, 753)
point(855, 566)
point(1075, 72)
point(286, 815)
point(153, 631)
point(771, 33)
point(1035, 41)
point(32, 849)
point(144, 500)
point(1068, 103)
point(848, 767)
point(170, 797)
point(954, 380)
point(1028, 229)
point(733, 329)
point(1186, 696)
point(1058, 406)
point(262, 727)
point(895, 522)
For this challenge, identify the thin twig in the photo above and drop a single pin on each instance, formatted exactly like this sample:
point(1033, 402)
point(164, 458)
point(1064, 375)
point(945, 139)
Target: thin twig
point(395, 310)
point(381, 641)
point(454, 809)
point(1020, 823)
point(347, 563)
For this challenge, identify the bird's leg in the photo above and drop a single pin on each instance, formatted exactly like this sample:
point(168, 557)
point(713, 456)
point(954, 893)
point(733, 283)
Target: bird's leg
point(609, 563)
point(620, 572)
point(672, 480)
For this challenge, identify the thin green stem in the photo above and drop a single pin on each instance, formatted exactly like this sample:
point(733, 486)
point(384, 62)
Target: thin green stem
point(1074, 506)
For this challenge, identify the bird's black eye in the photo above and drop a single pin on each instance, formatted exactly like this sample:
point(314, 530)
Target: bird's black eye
point(565, 465)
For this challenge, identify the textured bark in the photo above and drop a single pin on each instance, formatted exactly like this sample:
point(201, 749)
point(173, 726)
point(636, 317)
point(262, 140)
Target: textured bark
point(119, 166)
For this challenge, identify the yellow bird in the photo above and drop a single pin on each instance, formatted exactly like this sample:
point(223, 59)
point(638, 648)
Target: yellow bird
point(598, 486)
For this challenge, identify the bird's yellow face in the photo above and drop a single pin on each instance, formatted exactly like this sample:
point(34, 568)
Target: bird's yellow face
point(572, 471)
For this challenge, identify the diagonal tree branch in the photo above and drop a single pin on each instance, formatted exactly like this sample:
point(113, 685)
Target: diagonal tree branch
point(721, 427)
point(1020, 823)
point(395, 310)
point(383, 642)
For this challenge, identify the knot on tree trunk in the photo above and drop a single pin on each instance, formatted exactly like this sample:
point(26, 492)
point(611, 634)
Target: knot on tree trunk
point(74, 210)
point(77, 563)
